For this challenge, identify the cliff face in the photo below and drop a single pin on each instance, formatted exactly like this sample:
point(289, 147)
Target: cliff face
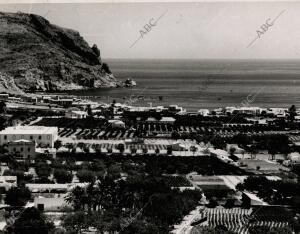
point(35, 54)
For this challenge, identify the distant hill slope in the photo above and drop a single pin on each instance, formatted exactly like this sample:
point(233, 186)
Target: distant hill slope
point(35, 54)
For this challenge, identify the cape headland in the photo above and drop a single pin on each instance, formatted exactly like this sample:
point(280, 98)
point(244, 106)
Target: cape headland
point(37, 55)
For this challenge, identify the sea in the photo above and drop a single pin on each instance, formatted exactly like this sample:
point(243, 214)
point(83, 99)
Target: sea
point(198, 84)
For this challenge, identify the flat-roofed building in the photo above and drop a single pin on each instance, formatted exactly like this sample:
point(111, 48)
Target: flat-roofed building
point(167, 120)
point(43, 136)
point(53, 203)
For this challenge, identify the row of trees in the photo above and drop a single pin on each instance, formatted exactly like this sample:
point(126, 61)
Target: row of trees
point(138, 205)
point(274, 192)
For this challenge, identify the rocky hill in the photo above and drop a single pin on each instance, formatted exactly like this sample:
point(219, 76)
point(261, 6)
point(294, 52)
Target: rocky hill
point(37, 55)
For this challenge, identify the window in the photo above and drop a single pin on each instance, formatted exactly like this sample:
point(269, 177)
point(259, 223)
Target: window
point(5, 137)
point(48, 137)
point(28, 149)
point(40, 137)
point(14, 137)
point(31, 137)
point(14, 149)
point(21, 149)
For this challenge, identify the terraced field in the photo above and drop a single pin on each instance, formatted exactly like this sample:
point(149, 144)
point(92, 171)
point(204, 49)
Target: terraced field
point(240, 220)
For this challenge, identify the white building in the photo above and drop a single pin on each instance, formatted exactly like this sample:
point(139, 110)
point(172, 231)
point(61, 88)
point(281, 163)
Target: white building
point(167, 120)
point(280, 112)
point(244, 110)
point(75, 114)
point(176, 109)
point(203, 112)
point(54, 203)
point(43, 136)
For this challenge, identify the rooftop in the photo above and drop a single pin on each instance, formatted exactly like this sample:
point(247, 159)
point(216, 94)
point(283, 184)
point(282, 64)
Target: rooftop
point(29, 130)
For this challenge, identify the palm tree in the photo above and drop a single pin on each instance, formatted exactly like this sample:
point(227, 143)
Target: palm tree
point(121, 148)
point(292, 112)
point(169, 150)
point(272, 151)
point(133, 150)
point(75, 198)
point(253, 151)
point(145, 150)
point(193, 149)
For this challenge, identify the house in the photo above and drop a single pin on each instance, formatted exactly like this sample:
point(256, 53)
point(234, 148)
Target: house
point(167, 120)
point(54, 203)
point(75, 114)
point(151, 120)
point(43, 136)
point(6, 182)
point(253, 111)
point(53, 188)
point(176, 109)
point(22, 147)
point(293, 158)
point(65, 102)
point(203, 112)
point(280, 112)
point(14, 99)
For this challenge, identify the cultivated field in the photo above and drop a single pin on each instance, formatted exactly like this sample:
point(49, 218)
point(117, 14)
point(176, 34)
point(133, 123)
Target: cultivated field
point(240, 220)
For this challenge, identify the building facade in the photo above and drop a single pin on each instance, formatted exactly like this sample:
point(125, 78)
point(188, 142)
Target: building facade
point(42, 136)
point(23, 148)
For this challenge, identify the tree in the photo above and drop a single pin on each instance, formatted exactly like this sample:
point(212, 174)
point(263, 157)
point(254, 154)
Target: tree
point(121, 148)
point(268, 230)
point(2, 107)
point(17, 196)
point(141, 227)
point(75, 222)
point(76, 198)
point(145, 150)
point(89, 110)
point(193, 149)
point(31, 221)
point(85, 176)
point(253, 151)
point(175, 135)
point(133, 150)
point(272, 151)
point(62, 176)
point(57, 144)
point(292, 113)
point(43, 170)
point(114, 171)
point(169, 150)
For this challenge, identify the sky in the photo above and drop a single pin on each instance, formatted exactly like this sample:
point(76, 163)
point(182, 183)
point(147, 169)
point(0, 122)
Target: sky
point(202, 30)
